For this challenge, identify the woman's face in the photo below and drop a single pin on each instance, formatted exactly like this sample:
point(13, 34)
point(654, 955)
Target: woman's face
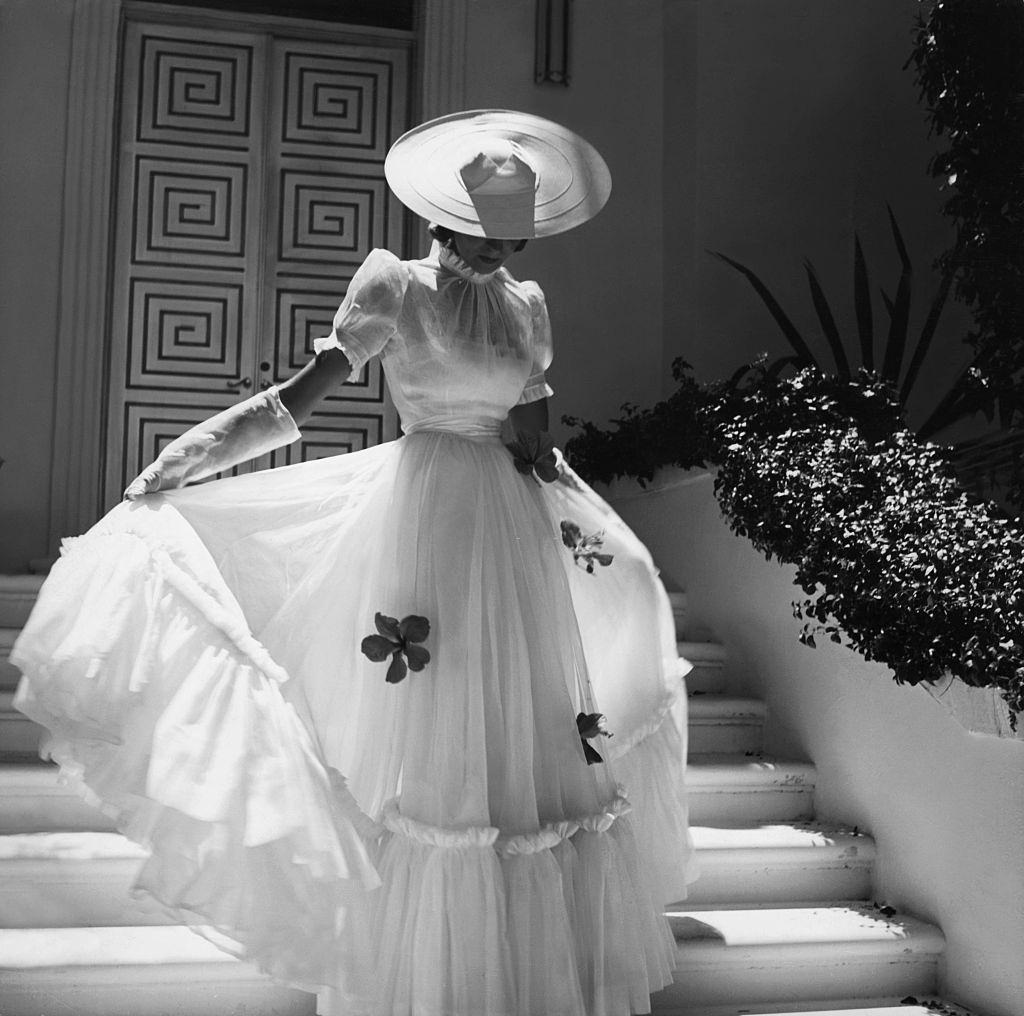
point(483, 254)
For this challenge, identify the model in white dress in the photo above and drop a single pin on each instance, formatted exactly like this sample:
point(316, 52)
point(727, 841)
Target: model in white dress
point(439, 846)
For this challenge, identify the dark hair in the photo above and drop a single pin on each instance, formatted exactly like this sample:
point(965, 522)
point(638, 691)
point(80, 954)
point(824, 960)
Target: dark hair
point(445, 236)
point(442, 234)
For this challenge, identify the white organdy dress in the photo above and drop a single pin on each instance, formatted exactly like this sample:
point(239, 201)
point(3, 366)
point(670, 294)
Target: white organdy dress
point(438, 846)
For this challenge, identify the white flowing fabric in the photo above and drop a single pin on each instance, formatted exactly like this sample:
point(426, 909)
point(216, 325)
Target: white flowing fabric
point(439, 847)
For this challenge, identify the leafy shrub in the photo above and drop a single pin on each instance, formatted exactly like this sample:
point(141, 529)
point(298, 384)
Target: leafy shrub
point(821, 473)
point(967, 59)
point(644, 440)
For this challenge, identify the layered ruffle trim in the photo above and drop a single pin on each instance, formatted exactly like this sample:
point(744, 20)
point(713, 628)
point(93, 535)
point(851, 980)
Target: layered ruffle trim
point(559, 921)
point(165, 710)
point(166, 713)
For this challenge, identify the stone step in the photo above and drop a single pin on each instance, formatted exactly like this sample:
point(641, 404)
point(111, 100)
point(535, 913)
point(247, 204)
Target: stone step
point(17, 597)
point(71, 880)
point(32, 800)
point(888, 1006)
point(708, 674)
point(79, 879)
point(18, 734)
point(781, 862)
point(725, 723)
point(133, 971)
point(724, 790)
point(686, 625)
point(9, 674)
point(738, 790)
point(769, 954)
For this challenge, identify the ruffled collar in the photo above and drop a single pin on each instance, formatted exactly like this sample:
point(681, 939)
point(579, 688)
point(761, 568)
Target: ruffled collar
point(449, 259)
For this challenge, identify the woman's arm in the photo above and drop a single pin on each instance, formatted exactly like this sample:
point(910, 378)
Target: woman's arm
point(530, 418)
point(302, 393)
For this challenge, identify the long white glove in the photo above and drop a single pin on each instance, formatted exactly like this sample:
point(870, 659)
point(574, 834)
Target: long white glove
point(250, 428)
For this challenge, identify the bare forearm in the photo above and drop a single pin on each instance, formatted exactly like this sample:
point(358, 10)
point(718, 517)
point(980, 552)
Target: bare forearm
point(302, 393)
point(531, 418)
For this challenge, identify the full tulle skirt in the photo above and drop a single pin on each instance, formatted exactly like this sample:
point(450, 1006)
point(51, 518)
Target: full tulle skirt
point(434, 846)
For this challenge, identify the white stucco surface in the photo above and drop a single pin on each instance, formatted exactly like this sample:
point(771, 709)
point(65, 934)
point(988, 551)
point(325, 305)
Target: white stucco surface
point(945, 806)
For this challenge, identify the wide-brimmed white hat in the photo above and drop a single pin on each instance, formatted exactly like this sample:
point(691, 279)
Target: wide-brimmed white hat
point(498, 173)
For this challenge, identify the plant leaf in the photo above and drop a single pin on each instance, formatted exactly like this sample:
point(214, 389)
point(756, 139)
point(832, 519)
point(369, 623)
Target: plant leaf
point(925, 338)
point(388, 627)
point(377, 648)
point(793, 336)
point(953, 406)
point(896, 343)
point(397, 670)
point(862, 306)
point(828, 322)
point(418, 657)
point(414, 628)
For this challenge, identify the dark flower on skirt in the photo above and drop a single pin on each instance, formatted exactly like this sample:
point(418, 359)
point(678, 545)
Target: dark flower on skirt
point(585, 549)
point(591, 725)
point(398, 639)
point(534, 454)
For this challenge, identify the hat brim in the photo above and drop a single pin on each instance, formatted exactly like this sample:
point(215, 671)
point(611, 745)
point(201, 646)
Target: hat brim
point(422, 168)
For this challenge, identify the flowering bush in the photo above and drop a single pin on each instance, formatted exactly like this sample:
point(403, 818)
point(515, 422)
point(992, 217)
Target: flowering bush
point(893, 557)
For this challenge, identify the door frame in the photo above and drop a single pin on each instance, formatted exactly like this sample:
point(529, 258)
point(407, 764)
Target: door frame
point(80, 382)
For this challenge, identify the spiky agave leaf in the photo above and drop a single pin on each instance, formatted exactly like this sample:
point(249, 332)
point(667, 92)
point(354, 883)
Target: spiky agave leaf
point(828, 322)
point(899, 322)
point(787, 327)
point(924, 340)
point(862, 306)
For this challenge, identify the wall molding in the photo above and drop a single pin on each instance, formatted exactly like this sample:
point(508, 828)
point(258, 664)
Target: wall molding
point(443, 57)
point(75, 476)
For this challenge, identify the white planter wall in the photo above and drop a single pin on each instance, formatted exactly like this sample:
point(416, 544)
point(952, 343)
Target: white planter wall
point(946, 806)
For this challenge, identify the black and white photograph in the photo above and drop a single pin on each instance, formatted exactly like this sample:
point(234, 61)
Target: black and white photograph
point(511, 508)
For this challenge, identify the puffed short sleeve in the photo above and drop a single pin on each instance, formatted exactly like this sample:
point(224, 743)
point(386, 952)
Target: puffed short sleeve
point(368, 316)
point(541, 349)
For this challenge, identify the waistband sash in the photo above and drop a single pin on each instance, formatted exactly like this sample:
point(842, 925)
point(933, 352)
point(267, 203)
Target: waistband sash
point(476, 428)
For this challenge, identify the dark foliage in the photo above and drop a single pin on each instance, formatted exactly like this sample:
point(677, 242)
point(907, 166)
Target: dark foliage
point(894, 558)
point(644, 440)
point(984, 464)
point(967, 58)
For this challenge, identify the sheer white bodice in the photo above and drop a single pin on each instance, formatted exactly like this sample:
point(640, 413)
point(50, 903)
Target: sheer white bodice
point(458, 348)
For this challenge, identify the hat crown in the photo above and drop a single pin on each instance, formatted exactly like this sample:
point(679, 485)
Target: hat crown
point(497, 167)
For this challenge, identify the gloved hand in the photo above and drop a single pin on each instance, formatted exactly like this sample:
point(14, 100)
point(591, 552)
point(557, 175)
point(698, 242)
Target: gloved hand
point(258, 425)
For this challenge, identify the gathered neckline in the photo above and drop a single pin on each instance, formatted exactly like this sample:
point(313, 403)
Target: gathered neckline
point(450, 259)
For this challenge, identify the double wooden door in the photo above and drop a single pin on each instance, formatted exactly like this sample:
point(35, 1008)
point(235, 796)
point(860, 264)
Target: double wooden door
point(250, 188)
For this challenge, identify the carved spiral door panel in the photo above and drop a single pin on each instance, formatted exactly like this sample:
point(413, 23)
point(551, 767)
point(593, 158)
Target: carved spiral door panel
point(251, 186)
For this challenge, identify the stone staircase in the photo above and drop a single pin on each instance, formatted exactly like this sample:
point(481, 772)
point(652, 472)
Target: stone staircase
point(780, 921)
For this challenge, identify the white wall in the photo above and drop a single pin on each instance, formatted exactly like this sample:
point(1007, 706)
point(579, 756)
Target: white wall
point(34, 57)
point(788, 126)
point(603, 281)
point(945, 806)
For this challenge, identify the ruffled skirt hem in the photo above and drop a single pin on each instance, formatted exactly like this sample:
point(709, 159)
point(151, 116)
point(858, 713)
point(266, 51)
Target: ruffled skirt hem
point(163, 707)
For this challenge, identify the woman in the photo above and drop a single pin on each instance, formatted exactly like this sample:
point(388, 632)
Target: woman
point(450, 833)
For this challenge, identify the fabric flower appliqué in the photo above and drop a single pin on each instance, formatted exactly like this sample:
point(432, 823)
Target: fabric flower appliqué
point(534, 455)
point(585, 549)
point(398, 639)
point(591, 725)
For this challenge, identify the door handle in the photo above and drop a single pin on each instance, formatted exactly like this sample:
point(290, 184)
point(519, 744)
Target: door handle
point(240, 382)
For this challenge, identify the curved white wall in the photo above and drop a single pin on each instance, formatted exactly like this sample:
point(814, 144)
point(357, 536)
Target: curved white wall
point(945, 806)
